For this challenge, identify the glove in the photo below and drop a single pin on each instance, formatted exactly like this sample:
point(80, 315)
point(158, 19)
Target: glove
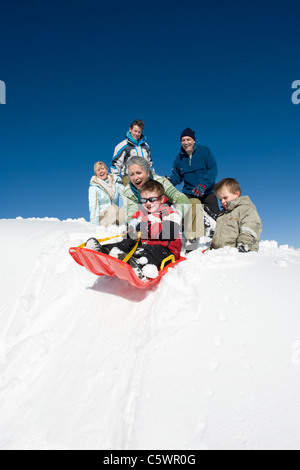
point(132, 232)
point(243, 248)
point(199, 190)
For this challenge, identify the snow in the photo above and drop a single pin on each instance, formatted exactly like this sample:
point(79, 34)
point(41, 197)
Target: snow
point(208, 359)
point(116, 252)
point(150, 271)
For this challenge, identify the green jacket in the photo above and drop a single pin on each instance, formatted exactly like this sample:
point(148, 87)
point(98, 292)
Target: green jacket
point(132, 203)
point(239, 223)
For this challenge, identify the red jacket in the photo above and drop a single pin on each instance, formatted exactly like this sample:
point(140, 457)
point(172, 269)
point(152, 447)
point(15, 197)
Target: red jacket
point(161, 227)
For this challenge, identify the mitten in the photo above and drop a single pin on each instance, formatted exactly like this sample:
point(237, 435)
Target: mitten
point(199, 190)
point(132, 232)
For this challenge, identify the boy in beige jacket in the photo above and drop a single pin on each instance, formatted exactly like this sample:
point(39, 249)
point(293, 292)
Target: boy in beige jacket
point(239, 224)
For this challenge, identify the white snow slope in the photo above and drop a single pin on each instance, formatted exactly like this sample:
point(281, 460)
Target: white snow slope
point(208, 359)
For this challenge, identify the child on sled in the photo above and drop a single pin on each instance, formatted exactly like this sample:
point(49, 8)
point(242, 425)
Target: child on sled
point(159, 226)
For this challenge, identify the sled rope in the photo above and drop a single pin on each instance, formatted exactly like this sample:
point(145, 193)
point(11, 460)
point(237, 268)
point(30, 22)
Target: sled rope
point(111, 238)
point(131, 253)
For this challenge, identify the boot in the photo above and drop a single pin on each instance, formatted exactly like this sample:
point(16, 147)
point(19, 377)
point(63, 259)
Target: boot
point(93, 244)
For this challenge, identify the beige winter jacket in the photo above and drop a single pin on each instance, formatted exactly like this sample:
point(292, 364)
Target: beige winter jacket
point(239, 223)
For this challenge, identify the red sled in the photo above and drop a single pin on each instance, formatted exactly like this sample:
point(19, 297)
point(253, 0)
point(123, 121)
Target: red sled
point(105, 265)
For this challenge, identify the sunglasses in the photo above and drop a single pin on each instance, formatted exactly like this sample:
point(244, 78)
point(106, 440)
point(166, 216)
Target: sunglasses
point(149, 199)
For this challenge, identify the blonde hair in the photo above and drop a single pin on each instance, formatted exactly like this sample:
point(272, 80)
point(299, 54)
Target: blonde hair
point(98, 165)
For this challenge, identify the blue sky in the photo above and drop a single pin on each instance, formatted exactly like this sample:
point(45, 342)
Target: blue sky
point(77, 73)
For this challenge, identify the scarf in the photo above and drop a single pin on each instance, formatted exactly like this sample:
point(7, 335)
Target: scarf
point(136, 142)
point(107, 185)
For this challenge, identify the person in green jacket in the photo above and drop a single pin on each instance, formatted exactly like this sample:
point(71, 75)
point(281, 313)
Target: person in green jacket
point(139, 171)
point(239, 224)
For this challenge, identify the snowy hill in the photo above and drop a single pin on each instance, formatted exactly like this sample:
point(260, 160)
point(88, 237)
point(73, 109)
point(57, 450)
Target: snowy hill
point(209, 359)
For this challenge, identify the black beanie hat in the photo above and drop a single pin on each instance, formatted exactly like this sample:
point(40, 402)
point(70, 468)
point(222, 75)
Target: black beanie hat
point(188, 133)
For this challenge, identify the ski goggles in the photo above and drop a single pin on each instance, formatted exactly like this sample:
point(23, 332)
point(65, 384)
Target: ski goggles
point(144, 200)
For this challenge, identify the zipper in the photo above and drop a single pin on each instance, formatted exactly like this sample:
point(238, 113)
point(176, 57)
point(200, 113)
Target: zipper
point(137, 147)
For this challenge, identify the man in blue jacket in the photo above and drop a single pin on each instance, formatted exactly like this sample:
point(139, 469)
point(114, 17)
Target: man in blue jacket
point(196, 166)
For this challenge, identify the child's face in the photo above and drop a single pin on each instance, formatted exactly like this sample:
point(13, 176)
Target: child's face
point(151, 207)
point(225, 196)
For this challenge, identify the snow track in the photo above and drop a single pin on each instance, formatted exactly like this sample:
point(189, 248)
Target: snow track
point(209, 359)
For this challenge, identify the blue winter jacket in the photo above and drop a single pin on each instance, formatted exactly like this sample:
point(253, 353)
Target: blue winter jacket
point(199, 168)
